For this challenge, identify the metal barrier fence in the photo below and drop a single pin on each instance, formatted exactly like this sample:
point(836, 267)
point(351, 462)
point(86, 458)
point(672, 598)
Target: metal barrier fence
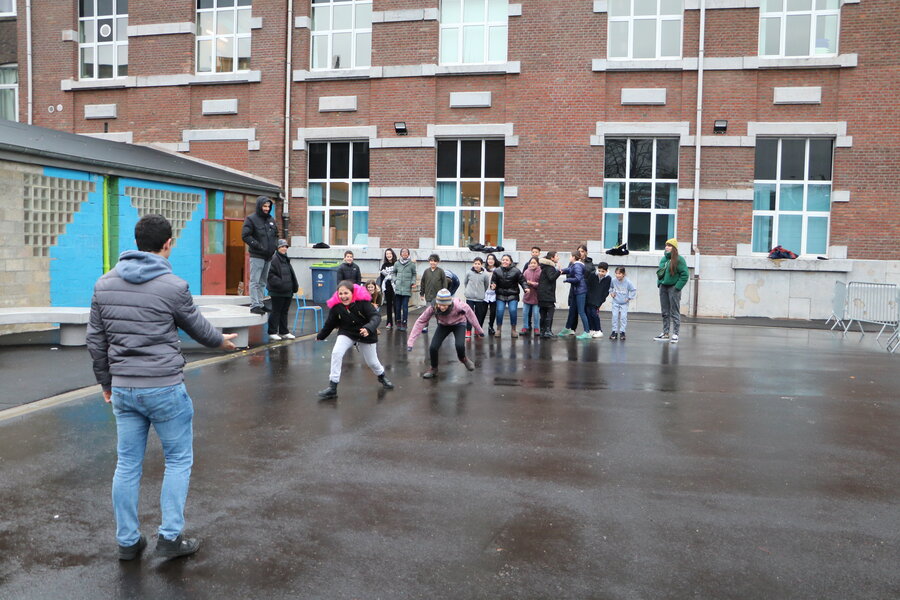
point(875, 303)
point(839, 306)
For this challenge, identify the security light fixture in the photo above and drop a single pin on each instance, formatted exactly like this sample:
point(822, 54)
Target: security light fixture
point(720, 126)
point(400, 128)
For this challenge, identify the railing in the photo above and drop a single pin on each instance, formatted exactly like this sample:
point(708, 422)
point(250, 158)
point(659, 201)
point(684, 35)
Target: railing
point(875, 303)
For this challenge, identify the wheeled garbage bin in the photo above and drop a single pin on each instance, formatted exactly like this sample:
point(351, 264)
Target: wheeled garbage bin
point(324, 281)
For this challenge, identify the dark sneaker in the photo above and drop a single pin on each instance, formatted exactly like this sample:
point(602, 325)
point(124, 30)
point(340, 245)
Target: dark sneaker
point(258, 310)
point(385, 382)
point(613, 336)
point(180, 546)
point(430, 373)
point(663, 337)
point(469, 364)
point(622, 336)
point(133, 551)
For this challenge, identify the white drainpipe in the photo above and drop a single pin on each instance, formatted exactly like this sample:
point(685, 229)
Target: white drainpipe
point(697, 149)
point(285, 214)
point(28, 60)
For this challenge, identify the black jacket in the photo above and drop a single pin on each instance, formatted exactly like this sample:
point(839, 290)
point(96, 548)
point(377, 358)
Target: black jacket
point(509, 281)
point(598, 289)
point(259, 231)
point(282, 279)
point(547, 283)
point(348, 320)
point(349, 272)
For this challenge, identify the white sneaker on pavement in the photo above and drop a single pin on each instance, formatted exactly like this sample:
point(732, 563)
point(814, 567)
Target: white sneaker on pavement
point(275, 337)
point(673, 339)
point(597, 334)
point(289, 336)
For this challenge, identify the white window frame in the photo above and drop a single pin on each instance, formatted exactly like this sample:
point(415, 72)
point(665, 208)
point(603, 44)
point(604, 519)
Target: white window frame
point(14, 87)
point(451, 28)
point(86, 23)
point(325, 35)
point(627, 211)
point(458, 208)
point(237, 9)
point(778, 9)
point(9, 13)
point(327, 207)
point(805, 213)
point(615, 18)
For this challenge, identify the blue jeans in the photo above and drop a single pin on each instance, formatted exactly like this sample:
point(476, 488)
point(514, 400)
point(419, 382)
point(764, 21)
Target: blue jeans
point(501, 308)
point(401, 308)
point(259, 274)
point(577, 310)
point(531, 315)
point(170, 411)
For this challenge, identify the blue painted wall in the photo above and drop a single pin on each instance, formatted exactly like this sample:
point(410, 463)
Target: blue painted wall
point(76, 261)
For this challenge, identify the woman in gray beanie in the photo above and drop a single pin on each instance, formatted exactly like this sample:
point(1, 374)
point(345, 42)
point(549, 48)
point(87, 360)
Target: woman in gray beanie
point(282, 284)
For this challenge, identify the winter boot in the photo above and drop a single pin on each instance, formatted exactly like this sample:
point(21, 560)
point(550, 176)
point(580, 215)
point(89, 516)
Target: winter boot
point(385, 382)
point(330, 391)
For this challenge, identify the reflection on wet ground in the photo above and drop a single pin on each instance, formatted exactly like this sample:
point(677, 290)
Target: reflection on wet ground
point(715, 468)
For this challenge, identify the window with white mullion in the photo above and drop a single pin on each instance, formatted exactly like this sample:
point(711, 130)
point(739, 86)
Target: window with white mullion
point(223, 36)
point(640, 192)
point(645, 29)
point(341, 34)
point(469, 202)
point(9, 92)
point(7, 8)
point(338, 193)
point(103, 39)
point(790, 28)
point(792, 194)
point(473, 31)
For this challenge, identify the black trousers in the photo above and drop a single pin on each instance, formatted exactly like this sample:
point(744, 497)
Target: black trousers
point(492, 313)
point(547, 317)
point(480, 309)
point(389, 302)
point(279, 315)
point(441, 332)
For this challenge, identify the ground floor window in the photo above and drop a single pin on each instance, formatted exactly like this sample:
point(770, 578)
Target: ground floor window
point(640, 192)
point(469, 202)
point(792, 194)
point(9, 92)
point(338, 194)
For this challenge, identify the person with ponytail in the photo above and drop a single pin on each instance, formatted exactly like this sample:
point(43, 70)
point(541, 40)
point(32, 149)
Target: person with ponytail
point(671, 277)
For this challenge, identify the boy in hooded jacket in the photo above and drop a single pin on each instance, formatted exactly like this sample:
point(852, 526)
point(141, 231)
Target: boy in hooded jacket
point(452, 315)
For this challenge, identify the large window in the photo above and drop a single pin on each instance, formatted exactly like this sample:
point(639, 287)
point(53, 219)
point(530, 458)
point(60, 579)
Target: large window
point(645, 29)
point(223, 36)
point(7, 8)
point(640, 192)
point(341, 34)
point(799, 27)
point(103, 38)
point(473, 31)
point(470, 192)
point(9, 92)
point(338, 202)
point(792, 194)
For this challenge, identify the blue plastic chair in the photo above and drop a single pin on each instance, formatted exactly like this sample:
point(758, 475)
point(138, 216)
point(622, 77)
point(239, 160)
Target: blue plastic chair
point(302, 307)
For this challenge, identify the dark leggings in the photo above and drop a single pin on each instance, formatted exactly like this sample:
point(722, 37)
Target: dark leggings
point(547, 317)
point(492, 312)
point(480, 310)
point(441, 332)
point(389, 302)
point(279, 315)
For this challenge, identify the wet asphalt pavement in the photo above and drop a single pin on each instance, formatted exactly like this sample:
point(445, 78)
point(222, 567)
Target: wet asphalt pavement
point(745, 462)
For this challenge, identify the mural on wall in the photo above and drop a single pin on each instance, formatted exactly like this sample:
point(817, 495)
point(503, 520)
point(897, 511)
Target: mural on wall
point(177, 207)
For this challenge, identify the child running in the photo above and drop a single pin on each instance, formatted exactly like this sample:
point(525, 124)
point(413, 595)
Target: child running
point(356, 319)
point(452, 315)
point(622, 292)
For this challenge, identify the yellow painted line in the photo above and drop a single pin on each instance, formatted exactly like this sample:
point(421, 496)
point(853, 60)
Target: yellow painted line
point(31, 407)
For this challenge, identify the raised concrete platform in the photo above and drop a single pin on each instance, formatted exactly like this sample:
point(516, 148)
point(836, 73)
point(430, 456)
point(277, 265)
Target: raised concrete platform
point(208, 300)
point(233, 319)
point(72, 320)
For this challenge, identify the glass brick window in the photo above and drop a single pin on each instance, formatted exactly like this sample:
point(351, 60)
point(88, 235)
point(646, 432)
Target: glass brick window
point(645, 29)
point(473, 31)
point(799, 27)
point(792, 194)
point(338, 194)
point(341, 34)
point(223, 36)
point(469, 201)
point(640, 192)
point(7, 8)
point(9, 92)
point(103, 38)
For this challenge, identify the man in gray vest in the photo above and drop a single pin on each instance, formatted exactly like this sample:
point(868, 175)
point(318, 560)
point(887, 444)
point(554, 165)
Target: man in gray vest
point(132, 337)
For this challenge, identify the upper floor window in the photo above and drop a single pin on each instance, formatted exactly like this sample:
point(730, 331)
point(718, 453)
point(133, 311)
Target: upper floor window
point(645, 29)
point(470, 192)
point(640, 192)
point(792, 194)
point(341, 34)
point(7, 8)
point(103, 38)
point(338, 202)
point(473, 31)
point(9, 92)
point(223, 36)
point(799, 27)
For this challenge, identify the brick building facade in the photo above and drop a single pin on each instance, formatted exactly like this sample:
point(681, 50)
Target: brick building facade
point(588, 107)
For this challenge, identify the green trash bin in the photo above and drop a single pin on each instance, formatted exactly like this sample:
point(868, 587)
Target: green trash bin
point(324, 281)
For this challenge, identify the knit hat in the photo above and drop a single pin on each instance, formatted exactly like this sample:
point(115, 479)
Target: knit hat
point(672, 242)
point(282, 243)
point(443, 297)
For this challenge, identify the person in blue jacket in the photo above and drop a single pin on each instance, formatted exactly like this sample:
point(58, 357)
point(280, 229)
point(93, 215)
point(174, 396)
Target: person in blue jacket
point(575, 276)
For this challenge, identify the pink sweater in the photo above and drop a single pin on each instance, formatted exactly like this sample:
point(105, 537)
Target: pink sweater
point(459, 312)
point(531, 276)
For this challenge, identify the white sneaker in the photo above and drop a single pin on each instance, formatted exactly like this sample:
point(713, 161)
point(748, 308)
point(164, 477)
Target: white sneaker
point(673, 339)
point(289, 336)
point(597, 334)
point(275, 337)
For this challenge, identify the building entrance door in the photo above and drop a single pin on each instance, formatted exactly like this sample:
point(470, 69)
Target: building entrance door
point(237, 261)
point(213, 265)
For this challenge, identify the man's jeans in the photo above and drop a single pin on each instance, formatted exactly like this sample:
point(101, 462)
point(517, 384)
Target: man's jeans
point(259, 275)
point(170, 411)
